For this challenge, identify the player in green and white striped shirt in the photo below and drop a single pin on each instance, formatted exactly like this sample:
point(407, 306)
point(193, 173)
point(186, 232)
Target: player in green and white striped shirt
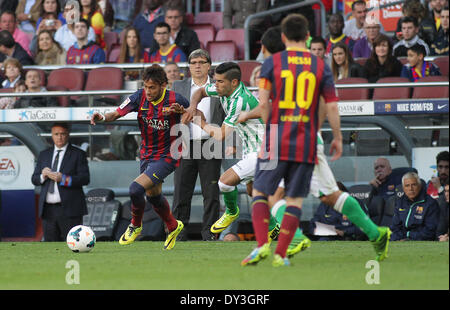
point(235, 98)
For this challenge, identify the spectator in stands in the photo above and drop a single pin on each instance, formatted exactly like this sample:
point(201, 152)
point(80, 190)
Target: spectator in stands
point(145, 23)
point(414, 9)
point(90, 11)
point(186, 39)
point(417, 67)
point(318, 46)
point(435, 186)
point(442, 231)
point(9, 102)
point(410, 30)
point(342, 64)
point(381, 62)
point(271, 43)
point(34, 85)
point(49, 51)
point(65, 34)
point(167, 51)
point(207, 168)
point(440, 46)
point(336, 27)
point(124, 12)
point(107, 11)
point(354, 27)
point(345, 229)
point(8, 22)
point(364, 46)
point(236, 11)
point(27, 13)
point(50, 17)
point(9, 48)
point(131, 51)
point(432, 23)
point(416, 214)
point(173, 73)
point(13, 72)
point(84, 51)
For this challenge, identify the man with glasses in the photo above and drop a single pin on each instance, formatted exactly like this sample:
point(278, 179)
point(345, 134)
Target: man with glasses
point(167, 52)
point(363, 47)
point(185, 38)
point(195, 163)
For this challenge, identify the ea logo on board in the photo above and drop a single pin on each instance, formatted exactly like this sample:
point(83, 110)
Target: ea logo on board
point(9, 168)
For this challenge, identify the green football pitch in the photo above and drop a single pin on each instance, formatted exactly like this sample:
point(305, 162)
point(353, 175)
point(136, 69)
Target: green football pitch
point(197, 265)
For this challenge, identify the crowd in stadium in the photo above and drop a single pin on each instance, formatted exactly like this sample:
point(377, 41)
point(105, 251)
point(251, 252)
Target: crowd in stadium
point(41, 32)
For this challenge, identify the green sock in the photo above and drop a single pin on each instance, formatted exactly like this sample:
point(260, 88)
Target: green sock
point(279, 216)
point(356, 215)
point(230, 199)
point(272, 222)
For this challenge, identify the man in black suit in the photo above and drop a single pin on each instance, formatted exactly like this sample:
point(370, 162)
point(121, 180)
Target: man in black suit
point(61, 171)
point(196, 164)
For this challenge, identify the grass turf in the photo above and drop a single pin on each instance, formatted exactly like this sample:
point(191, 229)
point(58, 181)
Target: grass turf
point(216, 265)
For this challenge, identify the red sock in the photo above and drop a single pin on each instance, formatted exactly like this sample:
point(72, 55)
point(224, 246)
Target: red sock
point(260, 219)
point(289, 225)
point(162, 208)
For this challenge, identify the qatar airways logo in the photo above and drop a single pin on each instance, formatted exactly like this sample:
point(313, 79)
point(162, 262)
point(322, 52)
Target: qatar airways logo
point(157, 123)
point(9, 168)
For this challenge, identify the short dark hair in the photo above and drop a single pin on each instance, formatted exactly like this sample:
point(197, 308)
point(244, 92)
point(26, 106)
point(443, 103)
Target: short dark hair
point(356, 3)
point(271, 39)
point(319, 40)
point(162, 25)
point(231, 70)
point(64, 125)
point(155, 73)
point(6, 39)
point(84, 21)
point(8, 12)
point(295, 27)
point(409, 19)
point(444, 155)
point(418, 49)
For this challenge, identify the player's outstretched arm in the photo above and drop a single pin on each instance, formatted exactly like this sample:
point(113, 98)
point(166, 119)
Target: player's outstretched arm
point(335, 123)
point(108, 117)
point(195, 100)
point(218, 133)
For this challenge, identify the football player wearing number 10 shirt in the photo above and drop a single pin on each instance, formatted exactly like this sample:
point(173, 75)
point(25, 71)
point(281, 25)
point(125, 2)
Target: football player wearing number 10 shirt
point(294, 80)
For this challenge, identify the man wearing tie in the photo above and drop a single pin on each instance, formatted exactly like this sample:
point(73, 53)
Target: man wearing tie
point(61, 171)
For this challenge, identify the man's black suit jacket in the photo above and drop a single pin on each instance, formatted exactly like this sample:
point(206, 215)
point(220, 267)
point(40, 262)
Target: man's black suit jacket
point(75, 165)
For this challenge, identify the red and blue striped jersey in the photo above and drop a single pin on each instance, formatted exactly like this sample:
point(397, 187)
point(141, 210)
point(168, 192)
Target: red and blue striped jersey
point(155, 127)
point(296, 79)
point(174, 54)
point(89, 54)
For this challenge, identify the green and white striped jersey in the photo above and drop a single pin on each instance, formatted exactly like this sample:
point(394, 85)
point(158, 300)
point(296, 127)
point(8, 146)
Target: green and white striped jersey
point(251, 131)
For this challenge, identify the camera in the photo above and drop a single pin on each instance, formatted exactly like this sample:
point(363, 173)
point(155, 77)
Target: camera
point(50, 22)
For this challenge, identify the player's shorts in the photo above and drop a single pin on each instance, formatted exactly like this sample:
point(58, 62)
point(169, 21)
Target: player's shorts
point(322, 181)
point(297, 178)
point(246, 167)
point(157, 170)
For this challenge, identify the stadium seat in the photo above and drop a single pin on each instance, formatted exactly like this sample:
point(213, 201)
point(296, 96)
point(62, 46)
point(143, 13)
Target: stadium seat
point(368, 143)
point(222, 50)
point(360, 191)
point(205, 35)
point(105, 79)
point(214, 18)
point(111, 38)
point(247, 69)
point(63, 101)
point(388, 212)
point(392, 93)
point(235, 35)
point(152, 225)
point(103, 213)
point(70, 78)
point(353, 93)
point(432, 91)
point(376, 209)
point(113, 54)
point(189, 19)
point(442, 63)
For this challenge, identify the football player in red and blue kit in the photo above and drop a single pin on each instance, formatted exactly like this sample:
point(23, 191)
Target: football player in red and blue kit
point(158, 111)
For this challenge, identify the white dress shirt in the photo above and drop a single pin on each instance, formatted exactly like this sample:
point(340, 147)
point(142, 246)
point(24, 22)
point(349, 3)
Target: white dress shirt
point(204, 105)
point(54, 197)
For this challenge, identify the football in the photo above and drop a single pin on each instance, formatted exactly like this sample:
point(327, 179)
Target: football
point(80, 239)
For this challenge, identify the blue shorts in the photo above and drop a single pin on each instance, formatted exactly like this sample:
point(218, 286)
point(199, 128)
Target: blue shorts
point(157, 170)
point(297, 178)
